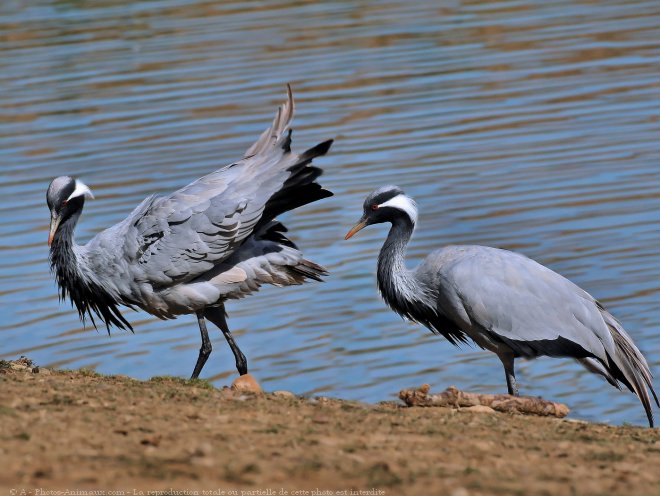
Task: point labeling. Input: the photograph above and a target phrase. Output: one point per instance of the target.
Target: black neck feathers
(89, 298)
(395, 282)
(402, 289)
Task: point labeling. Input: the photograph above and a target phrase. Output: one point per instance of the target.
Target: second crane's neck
(395, 282)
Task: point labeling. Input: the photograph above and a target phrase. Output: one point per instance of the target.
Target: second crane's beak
(362, 223)
(54, 224)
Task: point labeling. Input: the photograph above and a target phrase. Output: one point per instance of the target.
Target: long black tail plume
(301, 187)
(628, 365)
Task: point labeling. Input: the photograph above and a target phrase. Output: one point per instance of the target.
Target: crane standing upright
(503, 301)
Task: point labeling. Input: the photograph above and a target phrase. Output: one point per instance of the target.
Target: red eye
(65, 202)
(374, 207)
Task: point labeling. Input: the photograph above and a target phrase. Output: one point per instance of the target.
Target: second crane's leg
(511, 384)
(206, 348)
(217, 316)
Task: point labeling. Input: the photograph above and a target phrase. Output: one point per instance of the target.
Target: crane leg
(206, 348)
(507, 360)
(217, 316)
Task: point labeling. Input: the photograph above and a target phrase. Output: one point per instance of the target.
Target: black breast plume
(89, 298)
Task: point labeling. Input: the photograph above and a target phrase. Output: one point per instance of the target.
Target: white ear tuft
(81, 189)
(404, 203)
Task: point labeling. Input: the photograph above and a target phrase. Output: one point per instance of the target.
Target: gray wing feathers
(277, 129)
(519, 300)
(258, 262)
(536, 311)
(187, 233)
(597, 367)
(631, 363)
(187, 243)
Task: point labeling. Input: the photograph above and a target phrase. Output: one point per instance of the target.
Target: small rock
(574, 421)
(226, 393)
(43, 473)
(24, 362)
(151, 440)
(284, 394)
(461, 491)
(150, 450)
(478, 409)
(203, 449)
(201, 455)
(203, 461)
(246, 384)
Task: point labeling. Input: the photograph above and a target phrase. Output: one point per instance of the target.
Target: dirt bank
(78, 430)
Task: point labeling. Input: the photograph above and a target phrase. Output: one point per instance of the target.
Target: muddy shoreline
(79, 431)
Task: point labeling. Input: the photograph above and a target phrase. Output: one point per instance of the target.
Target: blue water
(525, 125)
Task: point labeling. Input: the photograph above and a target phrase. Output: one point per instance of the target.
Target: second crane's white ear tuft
(403, 203)
(81, 189)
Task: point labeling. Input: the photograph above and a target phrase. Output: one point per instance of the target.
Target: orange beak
(54, 224)
(357, 227)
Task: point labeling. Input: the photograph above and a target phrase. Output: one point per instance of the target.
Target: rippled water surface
(526, 125)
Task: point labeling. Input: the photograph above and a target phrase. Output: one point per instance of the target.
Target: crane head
(386, 204)
(65, 198)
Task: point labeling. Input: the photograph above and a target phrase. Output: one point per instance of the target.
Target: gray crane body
(185, 281)
(212, 240)
(502, 301)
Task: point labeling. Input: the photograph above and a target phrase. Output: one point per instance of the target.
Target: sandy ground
(93, 435)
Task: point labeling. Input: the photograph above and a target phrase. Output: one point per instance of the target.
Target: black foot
(217, 316)
(205, 350)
